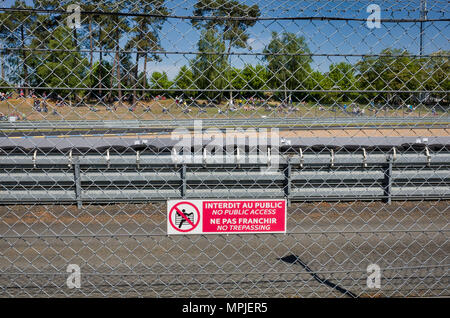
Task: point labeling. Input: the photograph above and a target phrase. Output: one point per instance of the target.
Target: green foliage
(288, 60)
(251, 78)
(159, 82)
(233, 31)
(394, 69)
(99, 73)
(209, 70)
(185, 81)
(342, 77)
(437, 69)
(61, 66)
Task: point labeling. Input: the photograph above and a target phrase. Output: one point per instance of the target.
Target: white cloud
(170, 69)
(257, 44)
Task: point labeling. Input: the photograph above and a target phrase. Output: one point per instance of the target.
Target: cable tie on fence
(107, 158)
(427, 153)
(364, 158)
(301, 157)
(70, 159)
(332, 158)
(34, 158)
(138, 159)
(204, 157)
(175, 156)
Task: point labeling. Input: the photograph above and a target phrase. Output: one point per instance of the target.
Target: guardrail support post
(387, 184)
(77, 179)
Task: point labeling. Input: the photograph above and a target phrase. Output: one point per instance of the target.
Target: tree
(288, 62)
(100, 34)
(117, 27)
(159, 82)
(437, 68)
(210, 64)
(317, 81)
(254, 78)
(99, 72)
(18, 24)
(185, 81)
(7, 41)
(342, 77)
(392, 70)
(146, 37)
(232, 31)
(61, 66)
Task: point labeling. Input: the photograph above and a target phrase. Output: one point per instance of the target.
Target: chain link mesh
(92, 91)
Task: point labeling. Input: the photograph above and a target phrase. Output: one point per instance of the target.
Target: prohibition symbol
(184, 217)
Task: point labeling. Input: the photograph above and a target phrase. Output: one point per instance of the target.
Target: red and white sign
(226, 216)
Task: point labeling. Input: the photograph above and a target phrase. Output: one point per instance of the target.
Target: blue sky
(323, 37)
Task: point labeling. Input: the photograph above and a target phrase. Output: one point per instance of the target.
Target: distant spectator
(37, 105)
(59, 101)
(410, 108)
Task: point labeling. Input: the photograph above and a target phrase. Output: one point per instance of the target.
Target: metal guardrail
(150, 177)
(228, 122)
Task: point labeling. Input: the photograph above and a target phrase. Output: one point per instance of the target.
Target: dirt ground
(168, 109)
(124, 250)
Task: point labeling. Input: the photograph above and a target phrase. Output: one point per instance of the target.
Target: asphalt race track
(335, 137)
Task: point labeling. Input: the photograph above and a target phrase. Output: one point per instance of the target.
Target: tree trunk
(91, 60)
(2, 64)
(111, 80)
(24, 60)
(229, 79)
(75, 39)
(144, 77)
(119, 79)
(100, 69)
(285, 89)
(91, 45)
(136, 80)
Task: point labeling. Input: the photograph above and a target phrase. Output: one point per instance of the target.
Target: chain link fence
(338, 107)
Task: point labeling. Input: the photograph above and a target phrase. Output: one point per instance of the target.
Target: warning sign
(226, 216)
(184, 217)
